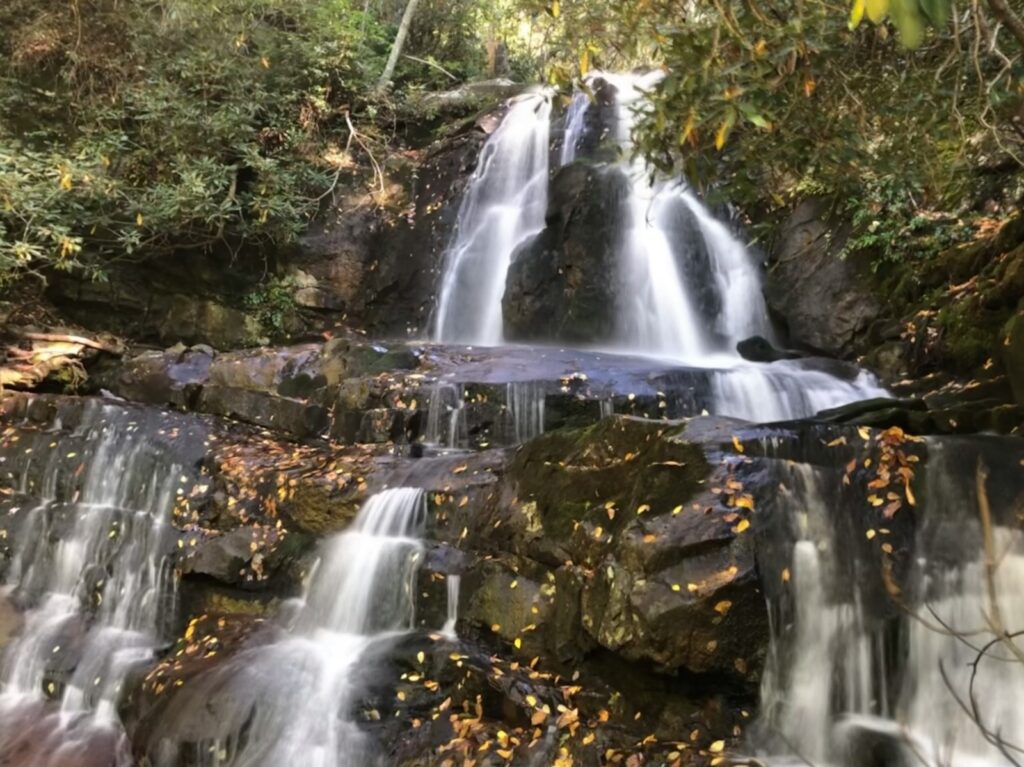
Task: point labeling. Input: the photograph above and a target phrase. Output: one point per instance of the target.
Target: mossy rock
(606, 474)
(1012, 347)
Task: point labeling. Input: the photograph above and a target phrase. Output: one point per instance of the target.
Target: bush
(132, 130)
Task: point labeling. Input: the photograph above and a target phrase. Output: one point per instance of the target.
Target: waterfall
(832, 690)
(91, 566)
(526, 406)
(289, 703)
(687, 289)
(575, 122)
(504, 203)
(452, 584)
(446, 416)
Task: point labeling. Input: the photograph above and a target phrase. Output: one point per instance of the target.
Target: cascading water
(525, 402)
(838, 690)
(575, 122)
(446, 416)
(504, 204)
(688, 291)
(289, 703)
(92, 568)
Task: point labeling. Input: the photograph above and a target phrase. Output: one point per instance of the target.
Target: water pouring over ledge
(850, 681)
(504, 204)
(686, 293)
(289, 702)
(92, 567)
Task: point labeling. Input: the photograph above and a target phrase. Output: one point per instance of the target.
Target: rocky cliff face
(615, 579)
(825, 302)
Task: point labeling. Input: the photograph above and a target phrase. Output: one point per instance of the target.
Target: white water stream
(503, 205)
(833, 692)
(91, 566)
(289, 703)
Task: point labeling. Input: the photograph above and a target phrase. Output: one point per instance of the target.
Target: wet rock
(172, 377)
(559, 285)
(826, 302)
(760, 349)
(294, 417)
(614, 543)
(10, 621)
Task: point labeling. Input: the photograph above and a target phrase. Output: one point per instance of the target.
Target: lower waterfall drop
(92, 568)
(838, 690)
(289, 702)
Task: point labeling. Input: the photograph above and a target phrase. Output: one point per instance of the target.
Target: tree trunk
(396, 47)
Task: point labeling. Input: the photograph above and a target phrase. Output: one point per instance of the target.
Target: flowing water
(504, 204)
(91, 568)
(688, 289)
(525, 401)
(575, 123)
(290, 702)
(847, 684)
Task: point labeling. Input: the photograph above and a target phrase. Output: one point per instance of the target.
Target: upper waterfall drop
(624, 260)
(504, 203)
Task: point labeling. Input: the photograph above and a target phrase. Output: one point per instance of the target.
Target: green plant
(272, 303)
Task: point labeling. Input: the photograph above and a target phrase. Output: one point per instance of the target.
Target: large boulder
(826, 301)
(560, 285)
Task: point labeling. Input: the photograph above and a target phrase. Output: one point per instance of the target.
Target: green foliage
(764, 101)
(272, 303)
(887, 223)
(130, 130)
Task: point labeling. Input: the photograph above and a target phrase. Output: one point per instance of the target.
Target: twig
(433, 64)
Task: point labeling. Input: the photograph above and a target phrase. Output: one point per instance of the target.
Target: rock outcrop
(825, 301)
(561, 284)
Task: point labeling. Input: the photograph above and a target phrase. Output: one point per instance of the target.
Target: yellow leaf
(910, 495)
(717, 747)
(722, 134)
(723, 607)
(737, 444)
(687, 133)
(585, 61)
(265, 62)
(742, 525)
(65, 181)
(643, 507)
(877, 9)
(857, 13)
(556, 9)
(785, 575)
(745, 502)
(139, 219)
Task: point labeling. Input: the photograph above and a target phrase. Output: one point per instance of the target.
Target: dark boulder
(760, 349)
(826, 301)
(560, 285)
